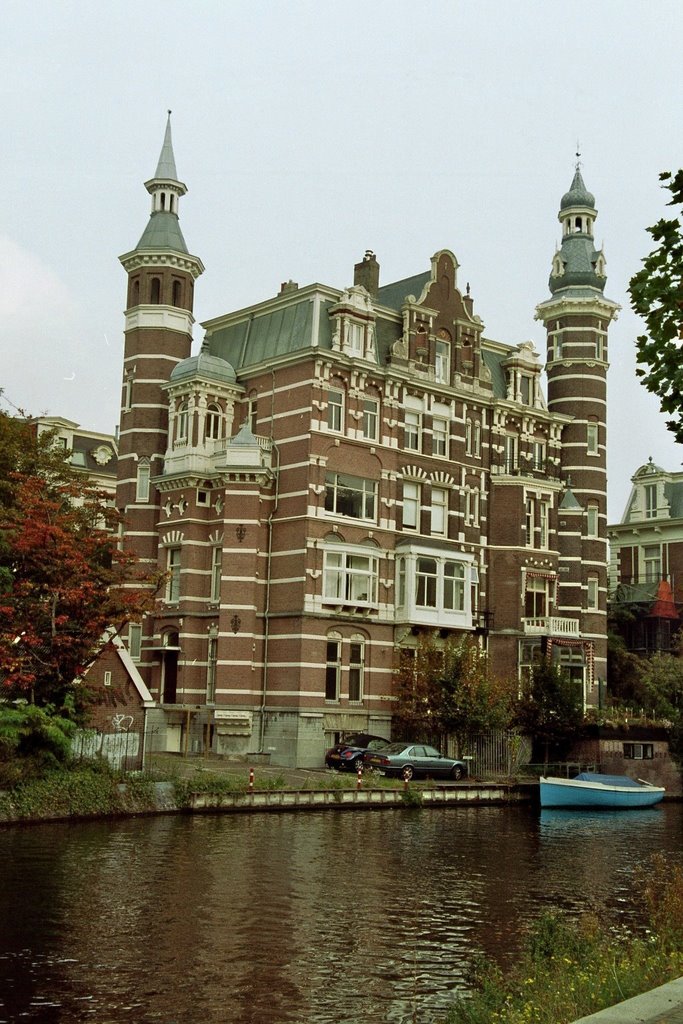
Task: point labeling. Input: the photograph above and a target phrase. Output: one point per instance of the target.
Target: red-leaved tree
(63, 581)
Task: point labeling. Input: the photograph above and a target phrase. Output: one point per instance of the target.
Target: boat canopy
(610, 780)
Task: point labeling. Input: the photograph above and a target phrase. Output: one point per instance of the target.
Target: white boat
(592, 790)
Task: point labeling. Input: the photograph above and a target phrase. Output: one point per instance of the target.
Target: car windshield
(377, 744)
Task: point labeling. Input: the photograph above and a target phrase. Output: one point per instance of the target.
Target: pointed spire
(578, 194)
(166, 166)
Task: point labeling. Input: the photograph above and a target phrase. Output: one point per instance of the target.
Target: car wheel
(456, 772)
(408, 772)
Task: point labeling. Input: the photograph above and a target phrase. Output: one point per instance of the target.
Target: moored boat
(590, 789)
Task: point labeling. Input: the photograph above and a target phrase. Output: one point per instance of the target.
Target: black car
(348, 754)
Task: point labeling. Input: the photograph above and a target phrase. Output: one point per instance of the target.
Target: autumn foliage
(62, 579)
(445, 688)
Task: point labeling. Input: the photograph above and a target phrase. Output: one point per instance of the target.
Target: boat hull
(625, 794)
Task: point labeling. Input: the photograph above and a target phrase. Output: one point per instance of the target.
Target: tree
(550, 709)
(473, 700)
(446, 689)
(62, 579)
(657, 295)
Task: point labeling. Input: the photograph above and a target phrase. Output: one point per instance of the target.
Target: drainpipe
(266, 615)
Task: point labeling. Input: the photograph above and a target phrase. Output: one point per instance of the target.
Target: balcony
(550, 626)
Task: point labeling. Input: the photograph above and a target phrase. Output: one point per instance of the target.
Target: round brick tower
(577, 318)
(158, 335)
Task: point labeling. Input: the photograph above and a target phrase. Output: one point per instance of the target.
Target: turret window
(143, 480)
(155, 291)
(592, 438)
(213, 423)
(183, 422)
(177, 293)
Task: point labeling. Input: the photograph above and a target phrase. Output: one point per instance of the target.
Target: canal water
(309, 918)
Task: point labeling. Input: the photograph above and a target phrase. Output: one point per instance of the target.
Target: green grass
(572, 968)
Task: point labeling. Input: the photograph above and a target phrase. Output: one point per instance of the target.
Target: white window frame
(539, 456)
(333, 648)
(173, 568)
(142, 483)
(339, 486)
(212, 423)
(511, 452)
(355, 338)
(652, 563)
(537, 518)
(370, 419)
(211, 668)
(411, 505)
(650, 500)
(216, 572)
(592, 594)
(412, 431)
(438, 518)
(183, 423)
(592, 521)
(433, 587)
(538, 594)
(350, 576)
(356, 668)
(440, 432)
(472, 508)
(135, 640)
(335, 410)
(592, 438)
(442, 361)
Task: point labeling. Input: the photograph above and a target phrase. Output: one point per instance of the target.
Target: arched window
(163, 200)
(213, 423)
(177, 293)
(135, 293)
(183, 422)
(155, 291)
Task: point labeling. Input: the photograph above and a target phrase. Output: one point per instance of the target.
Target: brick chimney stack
(366, 273)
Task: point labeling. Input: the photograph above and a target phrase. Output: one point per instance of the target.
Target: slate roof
(394, 295)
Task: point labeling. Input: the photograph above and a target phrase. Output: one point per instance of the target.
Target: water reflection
(327, 918)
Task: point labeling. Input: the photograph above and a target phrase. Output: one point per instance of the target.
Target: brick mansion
(341, 469)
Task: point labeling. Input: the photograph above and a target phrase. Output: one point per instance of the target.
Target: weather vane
(578, 155)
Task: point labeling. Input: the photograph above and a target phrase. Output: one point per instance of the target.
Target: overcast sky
(309, 131)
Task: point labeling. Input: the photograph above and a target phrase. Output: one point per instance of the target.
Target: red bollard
(359, 775)
(251, 780)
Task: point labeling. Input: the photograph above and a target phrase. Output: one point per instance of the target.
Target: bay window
(349, 578)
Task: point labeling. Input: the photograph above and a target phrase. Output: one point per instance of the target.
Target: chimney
(288, 286)
(367, 273)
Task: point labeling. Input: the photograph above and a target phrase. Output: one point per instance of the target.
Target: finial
(169, 112)
(578, 155)
(468, 287)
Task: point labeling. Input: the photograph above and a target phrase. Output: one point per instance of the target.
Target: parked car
(347, 754)
(409, 759)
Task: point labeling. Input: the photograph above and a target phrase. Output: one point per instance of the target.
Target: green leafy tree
(550, 710)
(657, 296)
(473, 700)
(62, 579)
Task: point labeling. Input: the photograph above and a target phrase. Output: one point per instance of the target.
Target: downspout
(269, 557)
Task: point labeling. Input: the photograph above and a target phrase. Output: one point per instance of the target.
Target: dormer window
(355, 337)
(650, 501)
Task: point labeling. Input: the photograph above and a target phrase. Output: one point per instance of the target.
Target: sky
(308, 131)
